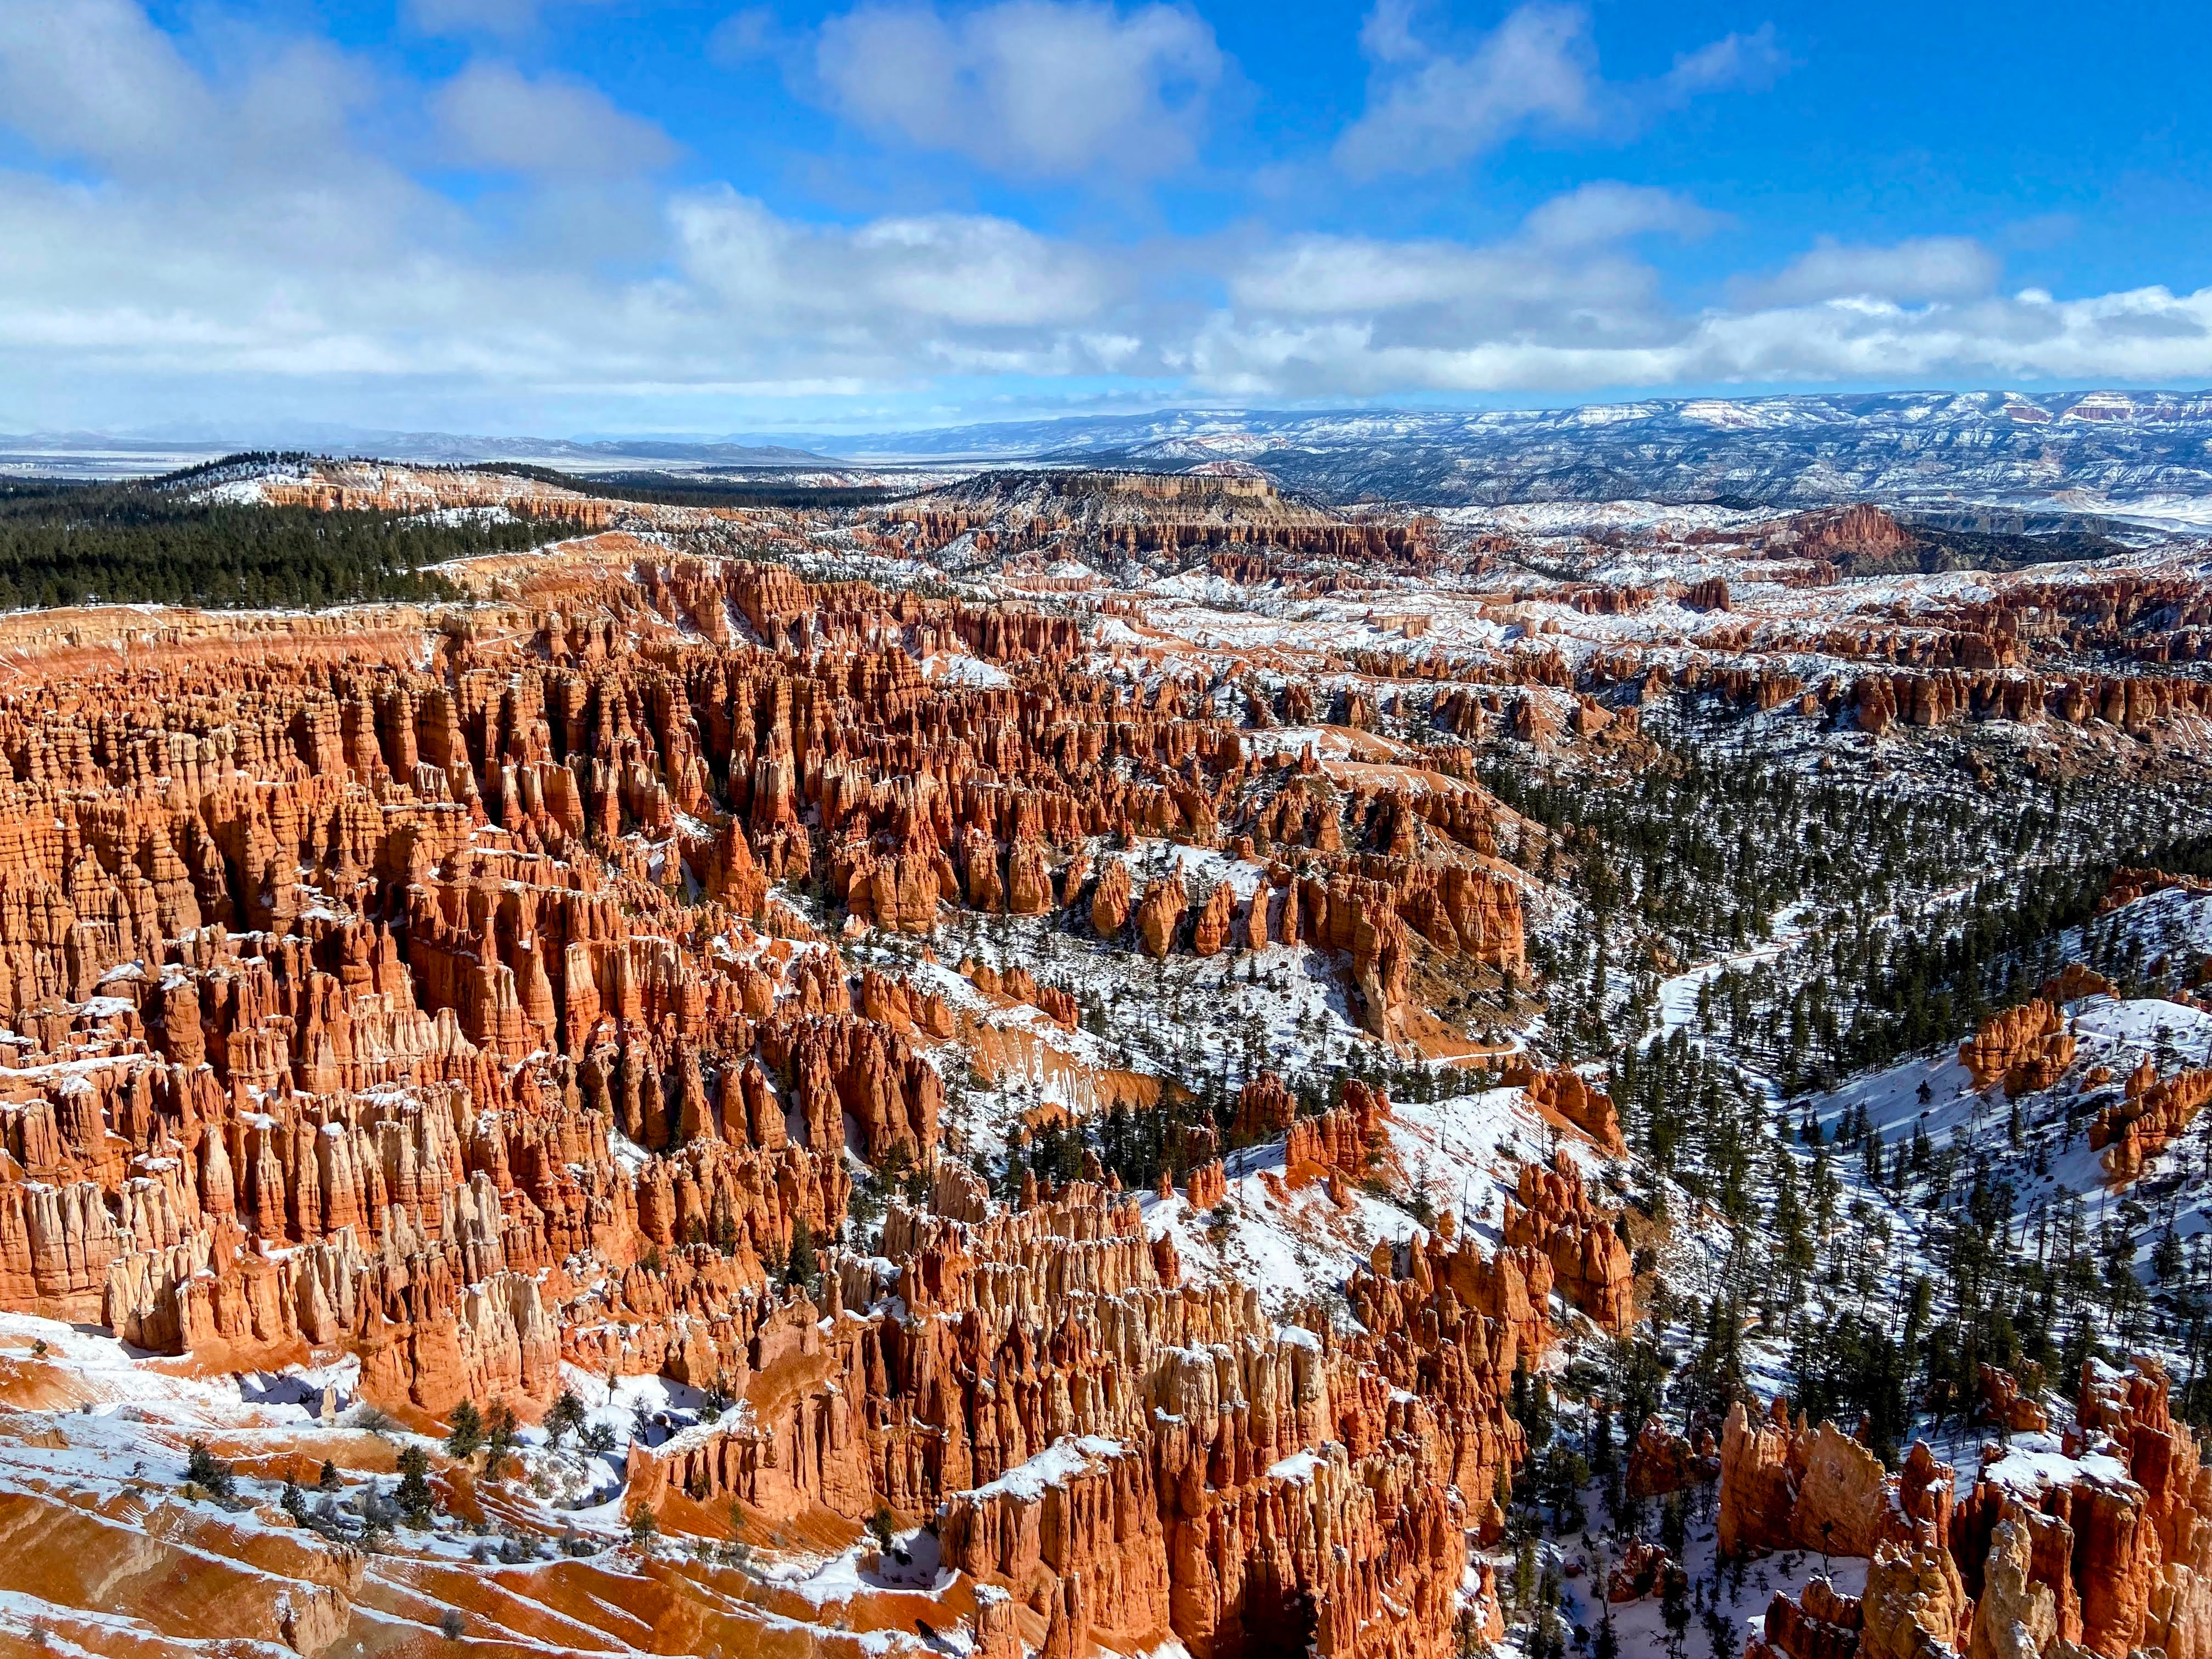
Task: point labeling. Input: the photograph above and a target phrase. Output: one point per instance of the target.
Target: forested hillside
(148, 543)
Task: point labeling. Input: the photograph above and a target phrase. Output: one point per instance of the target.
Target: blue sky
(679, 215)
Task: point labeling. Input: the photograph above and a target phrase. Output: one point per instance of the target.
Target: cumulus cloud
(1427, 109)
(1746, 60)
(1923, 268)
(1319, 314)
(1537, 71)
(493, 116)
(506, 18)
(1604, 211)
(743, 36)
(1561, 265)
(95, 81)
(1033, 88)
(965, 270)
(1543, 312)
(221, 241)
(307, 266)
(1565, 305)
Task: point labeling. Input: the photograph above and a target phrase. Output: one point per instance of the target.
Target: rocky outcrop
(2046, 1555)
(1563, 1090)
(2127, 886)
(1159, 917)
(1207, 1184)
(1551, 1212)
(2000, 1402)
(1265, 1108)
(1784, 1484)
(2153, 1112)
(1109, 903)
(2027, 1047)
(1645, 1569)
(2014, 1617)
(1344, 1145)
(1210, 933)
(1660, 1461)
(1915, 1605)
(1823, 1623)
(463, 995)
(1082, 1511)
(2075, 980)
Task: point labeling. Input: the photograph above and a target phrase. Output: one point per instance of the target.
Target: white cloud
(1604, 211)
(95, 79)
(493, 116)
(1923, 268)
(1033, 88)
(507, 18)
(1537, 71)
(1441, 290)
(1533, 313)
(742, 36)
(1734, 60)
(1561, 266)
(1427, 109)
(1562, 305)
(288, 260)
(965, 271)
(224, 242)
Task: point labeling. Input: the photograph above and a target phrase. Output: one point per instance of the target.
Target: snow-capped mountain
(2138, 454)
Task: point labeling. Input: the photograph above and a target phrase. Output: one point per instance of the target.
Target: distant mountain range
(1991, 460)
(157, 450)
(2145, 456)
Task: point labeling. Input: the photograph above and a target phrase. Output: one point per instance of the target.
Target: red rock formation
(2028, 1047)
(1660, 1462)
(1110, 904)
(423, 993)
(2154, 1112)
(1160, 915)
(1915, 1603)
(2031, 1559)
(2002, 1402)
(1346, 1143)
(1863, 531)
(2074, 982)
(1710, 593)
(1786, 1485)
(2127, 886)
(1265, 1108)
(1590, 1264)
(1643, 1570)
(1822, 1623)
(1212, 930)
(1208, 1183)
(1563, 1090)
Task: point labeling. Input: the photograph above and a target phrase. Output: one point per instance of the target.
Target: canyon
(1013, 1070)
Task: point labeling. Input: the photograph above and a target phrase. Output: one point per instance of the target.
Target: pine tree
(417, 1503)
(500, 1428)
(801, 1268)
(564, 1416)
(1602, 1459)
(209, 1473)
(465, 1429)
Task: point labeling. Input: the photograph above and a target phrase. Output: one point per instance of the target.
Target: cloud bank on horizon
(622, 214)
